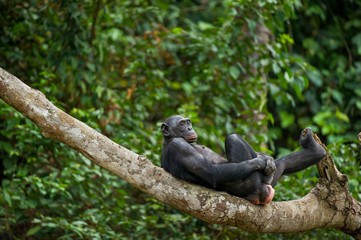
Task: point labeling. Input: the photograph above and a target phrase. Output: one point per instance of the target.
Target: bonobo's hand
(270, 166)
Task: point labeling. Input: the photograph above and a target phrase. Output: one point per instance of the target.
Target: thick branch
(333, 189)
(303, 214)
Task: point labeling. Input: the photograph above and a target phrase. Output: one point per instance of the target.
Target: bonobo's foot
(308, 142)
(269, 194)
(306, 138)
(262, 196)
(270, 164)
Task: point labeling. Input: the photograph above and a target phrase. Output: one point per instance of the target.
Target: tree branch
(329, 204)
(332, 189)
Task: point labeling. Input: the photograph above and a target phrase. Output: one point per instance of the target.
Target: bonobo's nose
(189, 128)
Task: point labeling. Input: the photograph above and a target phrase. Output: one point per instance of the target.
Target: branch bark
(328, 205)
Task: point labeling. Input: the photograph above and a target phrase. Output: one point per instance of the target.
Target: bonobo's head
(179, 127)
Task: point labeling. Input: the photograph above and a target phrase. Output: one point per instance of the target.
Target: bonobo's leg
(256, 188)
(310, 154)
(238, 150)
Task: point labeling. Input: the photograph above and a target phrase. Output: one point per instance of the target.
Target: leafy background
(263, 69)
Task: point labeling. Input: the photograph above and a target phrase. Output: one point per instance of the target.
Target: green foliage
(123, 66)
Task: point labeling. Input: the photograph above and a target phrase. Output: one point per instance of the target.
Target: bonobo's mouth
(191, 138)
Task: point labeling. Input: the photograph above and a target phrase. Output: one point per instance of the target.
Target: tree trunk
(328, 205)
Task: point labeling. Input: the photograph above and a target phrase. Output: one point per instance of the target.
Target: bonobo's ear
(165, 130)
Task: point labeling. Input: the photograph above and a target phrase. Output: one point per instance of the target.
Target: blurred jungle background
(265, 69)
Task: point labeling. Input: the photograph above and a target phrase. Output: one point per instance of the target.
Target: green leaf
(177, 30)
(286, 119)
(342, 116)
(286, 39)
(205, 26)
(33, 230)
(51, 225)
(315, 77)
(358, 104)
(234, 71)
(357, 41)
(357, 92)
(187, 87)
(7, 197)
(337, 96)
(321, 117)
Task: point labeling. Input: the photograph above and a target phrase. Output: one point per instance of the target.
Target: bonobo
(244, 173)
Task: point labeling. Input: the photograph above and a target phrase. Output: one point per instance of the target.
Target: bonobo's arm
(188, 164)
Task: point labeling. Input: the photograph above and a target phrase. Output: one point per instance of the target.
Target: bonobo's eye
(181, 123)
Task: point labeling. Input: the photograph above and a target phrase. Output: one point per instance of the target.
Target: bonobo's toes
(308, 142)
(306, 138)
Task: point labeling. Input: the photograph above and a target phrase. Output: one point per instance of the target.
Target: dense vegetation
(123, 66)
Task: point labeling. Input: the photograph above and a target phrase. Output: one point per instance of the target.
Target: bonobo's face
(178, 126)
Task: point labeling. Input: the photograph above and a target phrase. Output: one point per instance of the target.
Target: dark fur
(244, 173)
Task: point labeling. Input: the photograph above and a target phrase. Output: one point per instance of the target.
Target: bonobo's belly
(209, 154)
